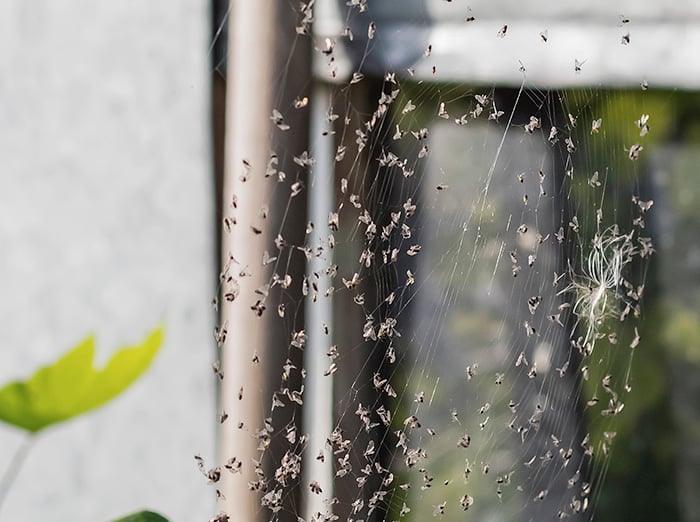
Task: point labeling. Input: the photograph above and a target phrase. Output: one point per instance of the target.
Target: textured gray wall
(106, 224)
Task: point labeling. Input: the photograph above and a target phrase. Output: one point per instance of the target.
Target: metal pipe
(317, 417)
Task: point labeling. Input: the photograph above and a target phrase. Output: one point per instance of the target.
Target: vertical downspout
(317, 419)
(252, 34)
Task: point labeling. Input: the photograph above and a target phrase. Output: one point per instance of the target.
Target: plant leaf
(72, 385)
(143, 516)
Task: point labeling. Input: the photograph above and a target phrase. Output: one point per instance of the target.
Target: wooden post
(252, 33)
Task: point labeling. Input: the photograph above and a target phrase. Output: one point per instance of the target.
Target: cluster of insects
(417, 433)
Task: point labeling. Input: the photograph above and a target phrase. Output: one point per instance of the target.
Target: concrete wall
(660, 39)
(106, 219)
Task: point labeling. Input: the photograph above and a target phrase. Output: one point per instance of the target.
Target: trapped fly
(634, 151)
(300, 103)
(278, 120)
(482, 99)
(643, 125)
(495, 114)
(371, 30)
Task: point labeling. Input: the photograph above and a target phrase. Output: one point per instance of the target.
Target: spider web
(481, 268)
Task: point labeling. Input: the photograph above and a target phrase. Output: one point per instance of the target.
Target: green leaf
(143, 516)
(72, 385)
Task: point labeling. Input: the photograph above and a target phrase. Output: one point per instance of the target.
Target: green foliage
(681, 332)
(143, 516)
(72, 385)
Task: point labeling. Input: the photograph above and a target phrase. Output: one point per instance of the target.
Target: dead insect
(635, 341)
(301, 102)
(278, 119)
(533, 302)
(296, 188)
(534, 124)
(357, 77)
(466, 502)
(304, 159)
(560, 235)
(439, 509)
(574, 225)
(470, 371)
(482, 99)
(495, 114)
(410, 279)
(529, 329)
(644, 206)
(411, 422)
(643, 125)
(413, 250)
(555, 318)
(634, 151)
(220, 334)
